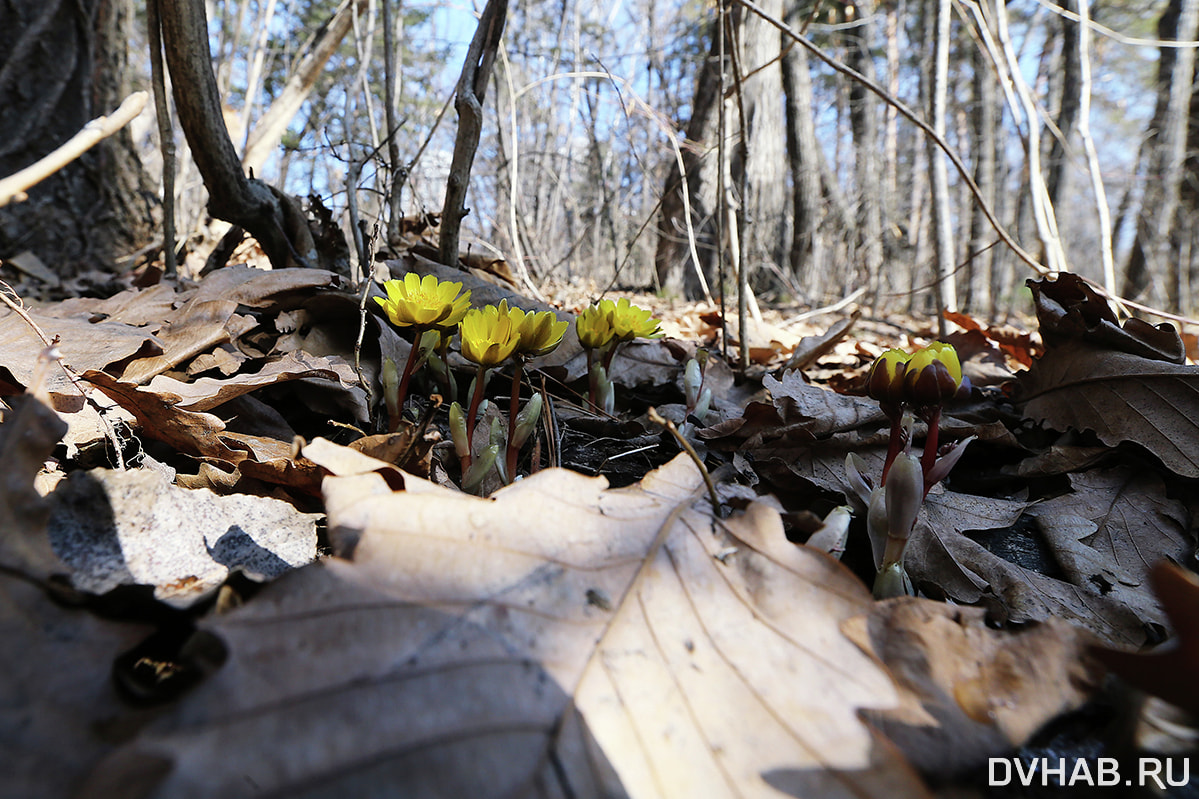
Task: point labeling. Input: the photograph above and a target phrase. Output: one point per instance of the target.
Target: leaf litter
(561, 637)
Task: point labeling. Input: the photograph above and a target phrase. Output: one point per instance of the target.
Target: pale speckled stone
(136, 528)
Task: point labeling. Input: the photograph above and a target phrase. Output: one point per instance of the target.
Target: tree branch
(472, 88)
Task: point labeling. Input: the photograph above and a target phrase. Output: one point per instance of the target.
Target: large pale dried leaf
(28, 435)
(557, 622)
(57, 704)
(971, 692)
(135, 528)
(1121, 397)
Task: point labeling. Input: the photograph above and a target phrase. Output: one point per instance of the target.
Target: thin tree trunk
(802, 147)
(863, 118)
(1071, 99)
(942, 220)
(984, 120)
(1151, 248)
(276, 220)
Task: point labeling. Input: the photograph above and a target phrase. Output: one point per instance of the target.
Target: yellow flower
(933, 374)
(540, 333)
(490, 335)
(885, 381)
(594, 325)
(630, 322)
(424, 303)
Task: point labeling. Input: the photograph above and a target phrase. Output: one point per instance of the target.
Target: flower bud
(693, 378)
(885, 382)
(933, 375)
(526, 420)
(458, 430)
(479, 468)
(893, 581)
(905, 494)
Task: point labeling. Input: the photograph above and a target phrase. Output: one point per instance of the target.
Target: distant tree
(62, 64)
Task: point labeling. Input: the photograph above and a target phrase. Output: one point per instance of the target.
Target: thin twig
(657, 418)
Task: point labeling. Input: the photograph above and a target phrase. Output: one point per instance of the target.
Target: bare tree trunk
(802, 149)
(942, 220)
(765, 203)
(672, 260)
(62, 64)
(1070, 73)
(863, 117)
(1176, 71)
(276, 220)
(472, 89)
(984, 120)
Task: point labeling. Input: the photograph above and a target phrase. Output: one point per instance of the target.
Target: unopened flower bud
(458, 430)
(693, 378)
(885, 382)
(526, 420)
(479, 468)
(933, 375)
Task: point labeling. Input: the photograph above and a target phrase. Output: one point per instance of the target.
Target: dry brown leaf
(195, 328)
(558, 622)
(28, 434)
(1168, 671)
(207, 393)
(57, 705)
(1113, 527)
(941, 555)
(199, 434)
(84, 345)
(1121, 397)
(1068, 309)
(971, 692)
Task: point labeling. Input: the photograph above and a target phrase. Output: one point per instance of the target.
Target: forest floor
(220, 574)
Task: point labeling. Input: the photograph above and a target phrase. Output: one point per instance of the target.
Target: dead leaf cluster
(561, 637)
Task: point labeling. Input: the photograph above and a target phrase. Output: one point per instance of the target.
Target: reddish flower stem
(402, 391)
(929, 458)
(895, 414)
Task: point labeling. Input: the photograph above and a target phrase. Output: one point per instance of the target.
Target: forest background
(1069, 127)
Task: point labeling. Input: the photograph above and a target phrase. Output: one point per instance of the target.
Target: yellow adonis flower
(630, 322)
(490, 335)
(594, 325)
(540, 333)
(424, 302)
(933, 374)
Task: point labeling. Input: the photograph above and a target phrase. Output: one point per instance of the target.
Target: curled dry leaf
(1070, 309)
(970, 692)
(591, 641)
(1121, 397)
